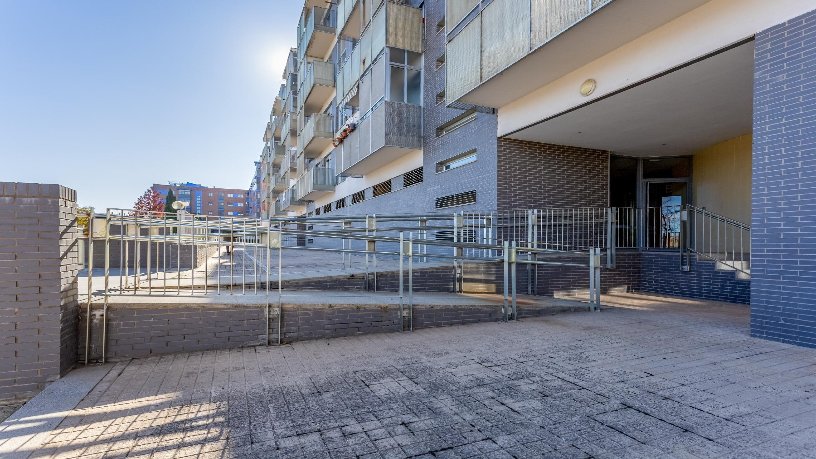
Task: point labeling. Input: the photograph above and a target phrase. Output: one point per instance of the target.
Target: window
(440, 97)
(457, 161)
(412, 178)
(459, 199)
(405, 76)
(455, 123)
(440, 26)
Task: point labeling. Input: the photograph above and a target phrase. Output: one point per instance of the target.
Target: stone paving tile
(674, 380)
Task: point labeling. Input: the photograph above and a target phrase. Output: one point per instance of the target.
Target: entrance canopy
(688, 109)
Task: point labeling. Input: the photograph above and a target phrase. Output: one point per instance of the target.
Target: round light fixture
(588, 87)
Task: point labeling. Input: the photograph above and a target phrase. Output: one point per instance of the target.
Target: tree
(168, 202)
(83, 219)
(149, 203)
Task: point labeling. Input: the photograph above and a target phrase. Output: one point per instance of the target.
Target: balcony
(289, 202)
(277, 183)
(278, 209)
(404, 31)
(277, 126)
(317, 134)
(278, 152)
(392, 130)
(317, 34)
(277, 106)
(316, 182)
(510, 48)
(288, 165)
(318, 85)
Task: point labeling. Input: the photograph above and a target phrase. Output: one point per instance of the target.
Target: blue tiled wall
(783, 286)
(660, 273)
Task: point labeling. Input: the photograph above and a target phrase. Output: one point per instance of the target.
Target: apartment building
(204, 200)
(691, 121)
(360, 124)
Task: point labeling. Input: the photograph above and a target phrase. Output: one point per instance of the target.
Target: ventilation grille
(412, 178)
(340, 203)
(382, 188)
(459, 199)
(327, 208)
(317, 211)
(358, 197)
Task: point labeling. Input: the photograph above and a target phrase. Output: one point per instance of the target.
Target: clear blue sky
(109, 97)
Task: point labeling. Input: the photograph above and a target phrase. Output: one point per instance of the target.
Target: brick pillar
(783, 223)
(38, 285)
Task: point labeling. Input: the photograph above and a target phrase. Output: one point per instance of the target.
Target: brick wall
(660, 273)
(142, 330)
(38, 285)
(783, 272)
(533, 175)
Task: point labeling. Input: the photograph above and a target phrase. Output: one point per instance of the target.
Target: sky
(109, 97)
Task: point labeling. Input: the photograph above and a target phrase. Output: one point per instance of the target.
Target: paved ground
(660, 378)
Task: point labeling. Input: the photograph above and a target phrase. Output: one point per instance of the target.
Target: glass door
(665, 201)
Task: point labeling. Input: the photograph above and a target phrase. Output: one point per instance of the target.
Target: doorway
(650, 194)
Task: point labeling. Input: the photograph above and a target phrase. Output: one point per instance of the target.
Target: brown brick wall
(533, 175)
(38, 285)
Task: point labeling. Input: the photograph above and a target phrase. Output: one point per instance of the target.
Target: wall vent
(459, 199)
(412, 178)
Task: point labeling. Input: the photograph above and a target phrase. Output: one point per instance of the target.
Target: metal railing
(153, 253)
(725, 241)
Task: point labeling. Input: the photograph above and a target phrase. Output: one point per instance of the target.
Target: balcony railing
(278, 152)
(278, 183)
(502, 33)
(315, 182)
(289, 164)
(318, 32)
(289, 200)
(390, 130)
(318, 85)
(317, 134)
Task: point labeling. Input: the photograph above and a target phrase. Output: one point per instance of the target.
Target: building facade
(692, 122)
(204, 200)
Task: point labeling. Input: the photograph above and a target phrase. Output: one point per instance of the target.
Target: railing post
(506, 257)
(513, 279)
(612, 237)
(410, 253)
(532, 242)
(595, 279)
(107, 281)
(90, 285)
(685, 265)
(401, 281)
(371, 248)
(458, 223)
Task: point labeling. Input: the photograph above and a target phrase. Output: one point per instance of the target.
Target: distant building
(204, 200)
(254, 195)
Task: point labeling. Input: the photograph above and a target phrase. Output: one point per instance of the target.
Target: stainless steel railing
(720, 239)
